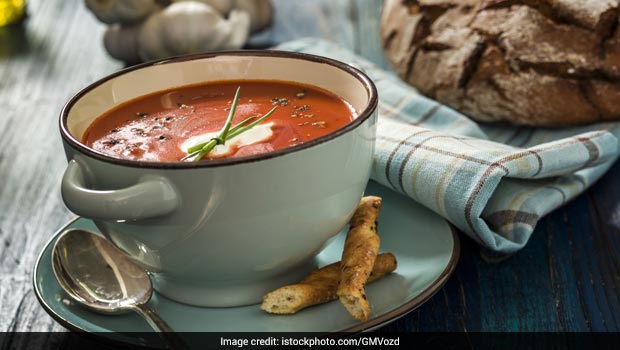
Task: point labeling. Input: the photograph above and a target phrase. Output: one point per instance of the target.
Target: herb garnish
(197, 152)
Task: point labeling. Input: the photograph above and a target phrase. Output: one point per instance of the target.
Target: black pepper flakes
(141, 114)
(280, 101)
(137, 131)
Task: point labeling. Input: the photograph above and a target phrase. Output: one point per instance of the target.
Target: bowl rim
(365, 114)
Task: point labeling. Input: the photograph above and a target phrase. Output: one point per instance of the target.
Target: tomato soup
(159, 126)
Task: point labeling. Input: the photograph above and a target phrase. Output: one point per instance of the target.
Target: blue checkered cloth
(494, 182)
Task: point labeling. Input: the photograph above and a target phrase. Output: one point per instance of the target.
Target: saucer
(425, 245)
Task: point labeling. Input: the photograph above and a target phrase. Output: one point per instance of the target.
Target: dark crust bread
(530, 62)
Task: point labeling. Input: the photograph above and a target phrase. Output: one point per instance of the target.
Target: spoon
(99, 276)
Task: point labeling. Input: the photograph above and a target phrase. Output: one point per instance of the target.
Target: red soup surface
(155, 127)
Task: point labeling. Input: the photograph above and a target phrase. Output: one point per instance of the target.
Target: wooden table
(566, 279)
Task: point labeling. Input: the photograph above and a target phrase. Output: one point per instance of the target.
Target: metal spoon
(99, 276)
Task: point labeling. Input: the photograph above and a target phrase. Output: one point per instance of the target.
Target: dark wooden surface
(566, 279)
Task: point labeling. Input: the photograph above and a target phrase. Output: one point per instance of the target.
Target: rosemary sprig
(197, 152)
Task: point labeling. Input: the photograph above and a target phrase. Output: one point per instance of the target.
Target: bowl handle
(152, 196)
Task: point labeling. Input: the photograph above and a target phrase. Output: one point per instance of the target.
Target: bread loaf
(530, 62)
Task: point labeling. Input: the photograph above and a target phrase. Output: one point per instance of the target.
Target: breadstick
(319, 287)
(358, 258)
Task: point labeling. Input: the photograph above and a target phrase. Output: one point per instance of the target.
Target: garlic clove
(222, 6)
(238, 29)
(121, 42)
(260, 11)
(121, 11)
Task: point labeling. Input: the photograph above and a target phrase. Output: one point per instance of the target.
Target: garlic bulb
(121, 42)
(121, 11)
(260, 11)
(189, 27)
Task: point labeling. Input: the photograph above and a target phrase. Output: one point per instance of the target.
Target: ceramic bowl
(222, 232)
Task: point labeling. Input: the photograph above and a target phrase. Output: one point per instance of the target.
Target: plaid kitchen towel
(494, 182)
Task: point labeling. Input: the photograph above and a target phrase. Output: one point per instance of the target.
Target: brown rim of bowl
(356, 73)
(386, 318)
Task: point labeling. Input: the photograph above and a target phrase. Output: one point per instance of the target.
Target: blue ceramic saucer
(424, 244)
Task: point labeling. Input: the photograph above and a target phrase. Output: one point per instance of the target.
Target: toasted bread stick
(319, 287)
(358, 257)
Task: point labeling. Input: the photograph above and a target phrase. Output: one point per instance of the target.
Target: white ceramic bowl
(223, 232)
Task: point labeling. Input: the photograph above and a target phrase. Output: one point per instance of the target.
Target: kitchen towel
(492, 181)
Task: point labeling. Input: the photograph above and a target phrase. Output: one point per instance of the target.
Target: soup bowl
(222, 232)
